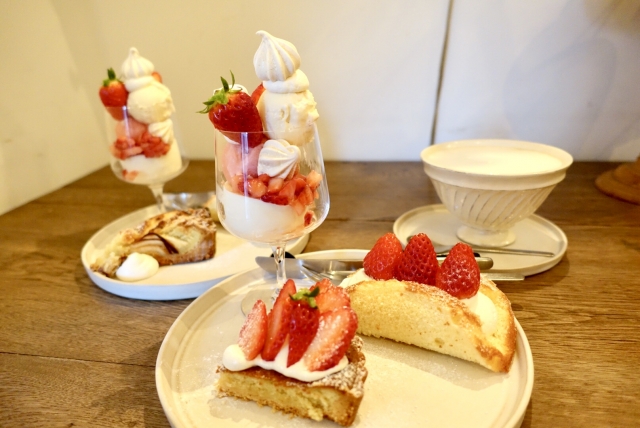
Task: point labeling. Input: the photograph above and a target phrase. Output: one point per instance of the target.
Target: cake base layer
(336, 397)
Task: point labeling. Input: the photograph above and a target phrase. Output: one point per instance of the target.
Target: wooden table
(72, 355)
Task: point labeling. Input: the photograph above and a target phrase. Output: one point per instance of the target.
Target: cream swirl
(278, 158)
(136, 66)
(162, 130)
(275, 59)
(298, 82)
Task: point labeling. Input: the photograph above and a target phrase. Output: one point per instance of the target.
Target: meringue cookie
(136, 66)
(278, 158)
(275, 59)
(162, 130)
(298, 82)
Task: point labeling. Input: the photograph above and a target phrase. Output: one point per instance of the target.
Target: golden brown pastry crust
(171, 238)
(430, 318)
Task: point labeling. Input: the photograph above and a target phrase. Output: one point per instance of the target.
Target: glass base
(485, 238)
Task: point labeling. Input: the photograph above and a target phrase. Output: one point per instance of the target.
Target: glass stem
(281, 274)
(157, 190)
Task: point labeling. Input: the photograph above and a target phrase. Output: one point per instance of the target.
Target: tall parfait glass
(270, 191)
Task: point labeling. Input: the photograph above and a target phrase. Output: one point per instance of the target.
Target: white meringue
(278, 158)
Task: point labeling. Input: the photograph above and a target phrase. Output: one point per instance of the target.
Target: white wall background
(561, 72)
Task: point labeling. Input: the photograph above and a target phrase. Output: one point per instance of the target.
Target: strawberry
(157, 76)
(459, 274)
(336, 329)
(232, 111)
(331, 298)
(380, 262)
(113, 93)
(254, 331)
(418, 262)
(257, 92)
(305, 318)
(278, 322)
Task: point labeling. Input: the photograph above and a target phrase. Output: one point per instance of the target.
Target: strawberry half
(332, 297)
(232, 111)
(459, 274)
(113, 95)
(418, 262)
(254, 331)
(257, 92)
(278, 322)
(305, 318)
(336, 329)
(380, 262)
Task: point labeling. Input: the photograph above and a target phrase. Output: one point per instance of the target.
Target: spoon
(442, 249)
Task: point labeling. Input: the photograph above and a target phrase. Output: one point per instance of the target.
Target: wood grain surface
(73, 355)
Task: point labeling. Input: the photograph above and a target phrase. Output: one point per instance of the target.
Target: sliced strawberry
(308, 218)
(380, 262)
(275, 199)
(232, 111)
(254, 331)
(153, 147)
(112, 92)
(459, 274)
(418, 263)
(256, 188)
(288, 191)
(257, 92)
(279, 320)
(314, 179)
(157, 76)
(305, 319)
(335, 332)
(275, 185)
(324, 284)
(333, 297)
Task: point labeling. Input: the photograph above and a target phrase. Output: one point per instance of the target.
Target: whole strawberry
(232, 111)
(459, 274)
(380, 262)
(418, 262)
(113, 95)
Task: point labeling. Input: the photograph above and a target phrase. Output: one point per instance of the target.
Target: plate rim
(156, 292)
(526, 271)
(514, 421)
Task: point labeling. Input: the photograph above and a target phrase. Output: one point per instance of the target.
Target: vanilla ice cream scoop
(275, 59)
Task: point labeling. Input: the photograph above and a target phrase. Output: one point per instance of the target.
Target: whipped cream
(162, 130)
(278, 158)
(233, 359)
(275, 59)
(286, 106)
(255, 220)
(136, 66)
(153, 170)
(481, 305)
(136, 267)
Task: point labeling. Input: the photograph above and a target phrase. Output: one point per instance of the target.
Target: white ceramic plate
(184, 281)
(406, 386)
(532, 233)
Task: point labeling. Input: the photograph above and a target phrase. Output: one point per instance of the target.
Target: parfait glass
(270, 190)
(146, 154)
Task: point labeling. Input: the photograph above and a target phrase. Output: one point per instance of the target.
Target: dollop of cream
(233, 359)
(278, 158)
(480, 305)
(137, 267)
(162, 130)
(275, 59)
(298, 82)
(136, 66)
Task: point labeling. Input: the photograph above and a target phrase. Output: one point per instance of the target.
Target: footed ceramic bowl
(490, 185)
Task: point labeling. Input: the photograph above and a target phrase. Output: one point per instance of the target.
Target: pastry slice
(481, 329)
(171, 238)
(404, 295)
(303, 358)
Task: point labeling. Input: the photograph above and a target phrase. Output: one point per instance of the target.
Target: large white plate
(184, 281)
(407, 386)
(532, 233)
